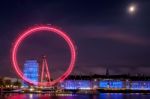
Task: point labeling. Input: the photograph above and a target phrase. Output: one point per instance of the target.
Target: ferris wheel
(35, 30)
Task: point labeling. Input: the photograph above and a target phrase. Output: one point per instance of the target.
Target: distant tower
(31, 70)
(45, 75)
(107, 72)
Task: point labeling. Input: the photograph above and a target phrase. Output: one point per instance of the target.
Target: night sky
(106, 34)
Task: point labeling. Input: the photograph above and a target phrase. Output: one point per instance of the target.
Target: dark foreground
(76, 96)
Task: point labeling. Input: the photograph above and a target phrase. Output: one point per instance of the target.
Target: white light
(31, 89)
(31, 96)
(131, 9)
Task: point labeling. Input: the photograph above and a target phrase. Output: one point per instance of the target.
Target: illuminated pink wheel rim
(34, 30)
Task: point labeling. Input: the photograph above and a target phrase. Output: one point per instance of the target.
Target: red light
(34, 30)
(45, 66)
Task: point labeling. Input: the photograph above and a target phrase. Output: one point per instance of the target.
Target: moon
(132, 9)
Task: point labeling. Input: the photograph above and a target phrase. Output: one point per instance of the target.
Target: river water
(76, 96)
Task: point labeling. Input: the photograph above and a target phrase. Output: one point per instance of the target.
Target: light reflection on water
(76, 96)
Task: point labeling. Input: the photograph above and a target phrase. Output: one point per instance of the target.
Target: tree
(8, 83)
(17, 83)
(2, 82)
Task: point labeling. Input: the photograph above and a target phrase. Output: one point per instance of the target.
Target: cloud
(124, 38)
(112, 33)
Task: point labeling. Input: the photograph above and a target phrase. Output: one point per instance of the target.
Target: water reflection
(111, 96)
(75, 96)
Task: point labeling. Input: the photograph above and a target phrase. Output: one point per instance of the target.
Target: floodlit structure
(35, 30)
(114, 84)
(31, 71)
(76, 84)
(45, 75)
(102, 82)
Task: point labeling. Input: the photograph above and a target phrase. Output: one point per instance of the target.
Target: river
(76, 96)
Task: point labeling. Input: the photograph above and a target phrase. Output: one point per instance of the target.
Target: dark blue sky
(105, 33)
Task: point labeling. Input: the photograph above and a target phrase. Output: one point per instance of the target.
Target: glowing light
(131, 8)
(116, 84)
(104, 84)
(31, 70)
(45, 65)
(140, 85)
(34, 30)
(31, 89)
(76, 84)
(111, 84)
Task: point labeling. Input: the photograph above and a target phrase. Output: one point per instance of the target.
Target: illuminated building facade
(76, 84)
(140, 85)
(114, 84)
(31, 71)
(105, 83)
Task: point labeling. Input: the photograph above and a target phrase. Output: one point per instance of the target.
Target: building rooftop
(120, 77)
